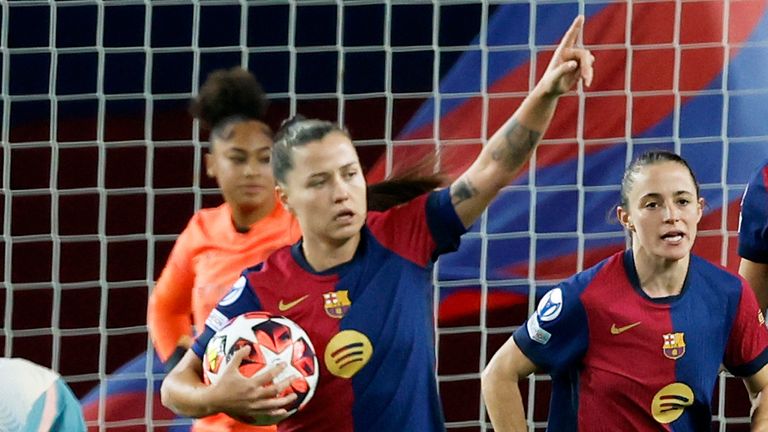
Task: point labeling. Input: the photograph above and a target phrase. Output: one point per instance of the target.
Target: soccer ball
(273, 339)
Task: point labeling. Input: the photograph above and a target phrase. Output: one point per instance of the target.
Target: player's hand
(251, 397)
(569, 63)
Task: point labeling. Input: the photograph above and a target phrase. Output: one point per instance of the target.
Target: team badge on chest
(674, 345)
(336, 303)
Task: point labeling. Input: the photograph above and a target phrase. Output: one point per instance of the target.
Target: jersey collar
(634, 279)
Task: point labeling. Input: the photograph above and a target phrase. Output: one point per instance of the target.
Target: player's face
(239, 162)
(326, 190)
(664, 211)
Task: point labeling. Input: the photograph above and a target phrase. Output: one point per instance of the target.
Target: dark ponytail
(405, 185)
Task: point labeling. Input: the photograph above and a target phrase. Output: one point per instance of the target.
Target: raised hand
(569, 63)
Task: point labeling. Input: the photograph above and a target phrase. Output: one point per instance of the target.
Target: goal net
(102, 165)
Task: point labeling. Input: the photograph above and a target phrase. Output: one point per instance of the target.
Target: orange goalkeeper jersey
(206, 260)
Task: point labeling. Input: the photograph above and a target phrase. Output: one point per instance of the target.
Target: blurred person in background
(219, 242)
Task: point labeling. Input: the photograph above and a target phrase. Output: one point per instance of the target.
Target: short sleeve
(444, 224)
(556, 336)
(421, 229)
(239, 300)
(747, 348)
(753, 222)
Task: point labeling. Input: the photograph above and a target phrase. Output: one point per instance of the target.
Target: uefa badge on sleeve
(550, 305)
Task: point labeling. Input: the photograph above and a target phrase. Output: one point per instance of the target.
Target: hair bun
(229, 93)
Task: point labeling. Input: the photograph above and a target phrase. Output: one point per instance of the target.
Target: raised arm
(501, 391)
(511, 146)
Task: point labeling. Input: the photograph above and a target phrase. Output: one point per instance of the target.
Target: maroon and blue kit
(621, 360)
(753, 225)
(370, 319)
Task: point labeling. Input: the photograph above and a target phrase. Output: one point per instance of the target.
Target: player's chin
(347, 228)
(676, 252)
(252, 200)
(343, 233)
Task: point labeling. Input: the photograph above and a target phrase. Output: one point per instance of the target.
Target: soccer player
(636, 342)
(35, 398)
(753, 235)
(219, 242)
(359, 282)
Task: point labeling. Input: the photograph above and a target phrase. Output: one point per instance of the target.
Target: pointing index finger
(572, 35)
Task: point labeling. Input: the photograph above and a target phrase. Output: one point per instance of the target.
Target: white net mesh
(101, 164)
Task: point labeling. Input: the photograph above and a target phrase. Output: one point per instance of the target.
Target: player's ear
(702, 203)
(284, 198)
(624, 218)
(210, 165)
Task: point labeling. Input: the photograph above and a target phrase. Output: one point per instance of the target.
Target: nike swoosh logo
(619, 330)
(282, 307)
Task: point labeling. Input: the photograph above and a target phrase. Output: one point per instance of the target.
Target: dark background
(81, 142)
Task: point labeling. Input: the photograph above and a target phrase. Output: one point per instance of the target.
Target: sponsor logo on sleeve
(551, 305)
(216, 320)
(234, 292)
(535, 332)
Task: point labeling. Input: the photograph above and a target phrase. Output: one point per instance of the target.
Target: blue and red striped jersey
(621, 360)
(753, 223)
(370, 320)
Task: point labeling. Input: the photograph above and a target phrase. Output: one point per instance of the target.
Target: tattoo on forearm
(461, 191)
(518, 143)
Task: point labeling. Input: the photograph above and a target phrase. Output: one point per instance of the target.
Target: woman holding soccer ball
(358, 282)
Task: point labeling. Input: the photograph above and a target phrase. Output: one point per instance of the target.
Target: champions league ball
(273, 339)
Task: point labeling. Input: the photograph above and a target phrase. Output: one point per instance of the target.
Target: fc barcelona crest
(674, 345)
(336, 303)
